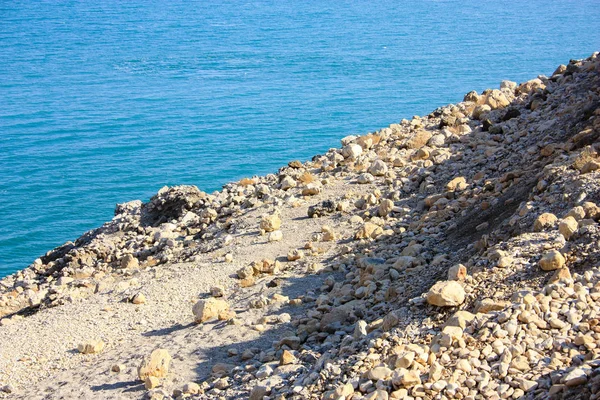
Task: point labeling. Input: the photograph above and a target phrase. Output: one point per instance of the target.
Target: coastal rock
(270, 223)
(129, 262)
(205, 310)
(446, 294)
(91, 347)
(157, 365)
(552, 260)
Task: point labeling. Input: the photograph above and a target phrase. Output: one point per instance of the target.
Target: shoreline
(367, 269)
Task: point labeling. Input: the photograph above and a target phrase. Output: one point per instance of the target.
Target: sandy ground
(38, 355)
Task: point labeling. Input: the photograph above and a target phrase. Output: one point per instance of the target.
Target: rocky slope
(453, 255)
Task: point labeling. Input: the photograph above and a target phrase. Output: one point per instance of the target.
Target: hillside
(453, 255)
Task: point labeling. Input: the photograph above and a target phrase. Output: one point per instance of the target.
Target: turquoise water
(105, 102)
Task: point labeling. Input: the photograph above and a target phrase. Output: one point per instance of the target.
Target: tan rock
(368, 231)
(245, 272)
(386, 206)
(206, 309)
(157, 365)
(295, 254)
(487, 305)
(328, 233)
(287, 357)
(270, 223)
(457, 272)
(544, 221)
(275, 236)
(461, 319)
(459, 183)
(191, 388)
(130, 262)
(496, 99)
(91, 347)
(139, 299)
(446, 294)
(378, 168)
(552, 260)
(312, 189)
(151, 382)
(379, 373)
(419, 140)
(341, 392)
(562, 275)
(568, 227)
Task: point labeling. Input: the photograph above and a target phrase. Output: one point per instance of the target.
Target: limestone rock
(544, 221)
(91, 347)
(207, 309)
(270, 223)
(275, 236)
(130, 262)
(457, 272)
(568, 227)
(552, 260)
(157, 365)
(419, 140)
(151, 382)
(352, 151)
(378, 168)
(446, 294)
(369, 231)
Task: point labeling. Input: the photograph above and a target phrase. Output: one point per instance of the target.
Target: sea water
(107, 101)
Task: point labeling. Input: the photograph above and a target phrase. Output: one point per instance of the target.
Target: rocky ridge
(453, 255)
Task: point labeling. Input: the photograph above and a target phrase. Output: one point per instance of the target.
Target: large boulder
(206, 309)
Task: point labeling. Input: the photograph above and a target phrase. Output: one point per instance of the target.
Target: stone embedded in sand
(328, 233)
(130, 262)
(446, 294)
(365, 178)
(457, 272)
(157, 365)
(419, 140)
(217, 291)
(266, 266)
(118, 368)
(275, 236)
(378, 168)
(270, 223)
(544, 221)
(245, 272)
(368, 231)
(151, 382)
(139, 298)
(552, 260)
(91, 347)
(228, 257)
(295, 254)
(312, 189)
(206, 309)
(568, 227)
